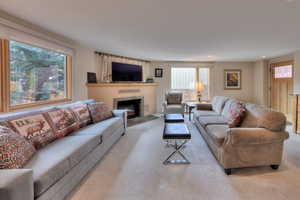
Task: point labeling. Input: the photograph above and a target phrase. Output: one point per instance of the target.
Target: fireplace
(133, 105)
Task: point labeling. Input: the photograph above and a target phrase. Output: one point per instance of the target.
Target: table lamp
(200, 89)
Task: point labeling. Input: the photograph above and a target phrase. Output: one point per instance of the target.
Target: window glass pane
(284, 71)
(183, 78)
(36, 74)
(204, 79)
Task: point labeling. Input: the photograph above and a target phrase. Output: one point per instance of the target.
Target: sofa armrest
(164, 106)
(16, 184)
(122, 114)
(251, 136)
(204, 106)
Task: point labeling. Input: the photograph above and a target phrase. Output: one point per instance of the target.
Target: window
(183, 78)
(284, 71)
(33, 76)
(204, 78)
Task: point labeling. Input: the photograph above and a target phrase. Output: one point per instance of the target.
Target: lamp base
(199, 96)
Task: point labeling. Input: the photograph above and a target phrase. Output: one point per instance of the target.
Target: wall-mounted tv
(126, 72)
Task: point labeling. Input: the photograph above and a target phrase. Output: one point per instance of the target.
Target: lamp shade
(200, 86)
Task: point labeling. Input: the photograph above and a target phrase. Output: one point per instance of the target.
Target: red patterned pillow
(15, 150)
(236, 114)
(35, 128)
(82, 113)
(5, 123)
(99, 111)
(63, 121)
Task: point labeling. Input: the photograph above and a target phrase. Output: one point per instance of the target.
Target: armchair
(173, 103)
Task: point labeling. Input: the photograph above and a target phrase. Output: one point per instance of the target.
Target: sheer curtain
(104, 66)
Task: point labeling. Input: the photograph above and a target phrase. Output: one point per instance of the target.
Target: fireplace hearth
(133, 105)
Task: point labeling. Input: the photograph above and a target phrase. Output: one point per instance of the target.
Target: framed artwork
(91, 77)
(158, 73)
(232, 79)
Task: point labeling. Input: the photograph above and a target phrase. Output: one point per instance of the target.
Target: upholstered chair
(173, 103)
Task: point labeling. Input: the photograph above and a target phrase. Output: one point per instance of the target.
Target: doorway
(282, 99)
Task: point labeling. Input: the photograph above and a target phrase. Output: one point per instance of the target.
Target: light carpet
(133, 170)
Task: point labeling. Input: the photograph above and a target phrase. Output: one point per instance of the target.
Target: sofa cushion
(236, 115)
(34, 127)
(102, 129)
(218, 103)
(200, 113)
(174, 108)
(82, 113)
(15, 150)
(227, 106)
(262, 117)
(174, 97)
(218, 133)
(99, 111)
(208, 120)
(51, 163)
(272, 120)
(63, 121)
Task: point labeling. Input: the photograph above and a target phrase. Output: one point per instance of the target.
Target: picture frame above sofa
(232, 79)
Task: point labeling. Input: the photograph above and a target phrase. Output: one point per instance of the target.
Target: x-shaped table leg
(177, 151)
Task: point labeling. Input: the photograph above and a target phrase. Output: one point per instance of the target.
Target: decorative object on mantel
(200, 88)
(158, 73)
(149, 80)
(232, 79)
(107, 78)
(91, 77)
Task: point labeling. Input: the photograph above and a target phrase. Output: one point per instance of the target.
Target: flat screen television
(126, 72)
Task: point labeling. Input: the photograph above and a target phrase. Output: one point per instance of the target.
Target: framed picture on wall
(158, 73)
(233, 79)
(91, 77)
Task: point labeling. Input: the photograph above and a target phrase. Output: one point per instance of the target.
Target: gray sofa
(257, 142)
(59, 167)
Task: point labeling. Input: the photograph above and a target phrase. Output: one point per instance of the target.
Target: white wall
(297, 72)
(216, 79)
(84, 62)
(260, 93)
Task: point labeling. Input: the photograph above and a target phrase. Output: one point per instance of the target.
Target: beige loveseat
(257, 142)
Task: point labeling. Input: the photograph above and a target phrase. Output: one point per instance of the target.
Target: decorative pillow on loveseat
(236, 114)
(35, 128)
(63, 121)
(99, 111)
(82, 113)
(15, 150)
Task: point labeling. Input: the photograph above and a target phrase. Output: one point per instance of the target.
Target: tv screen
(126, 72)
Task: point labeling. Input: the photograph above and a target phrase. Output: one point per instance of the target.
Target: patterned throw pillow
(63, 121)
(99, 111)
(236, 115)
(35, 128)
(82, 113)
(5, 123)
(15, 150)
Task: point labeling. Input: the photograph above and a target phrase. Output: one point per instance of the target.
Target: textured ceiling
(173, 30)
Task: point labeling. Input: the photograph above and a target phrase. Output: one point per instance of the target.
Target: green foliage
(36, 74)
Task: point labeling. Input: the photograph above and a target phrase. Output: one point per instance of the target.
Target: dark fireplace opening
(133, 107)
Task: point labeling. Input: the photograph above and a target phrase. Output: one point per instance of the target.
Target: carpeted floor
(133, 170)
(139, 120)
